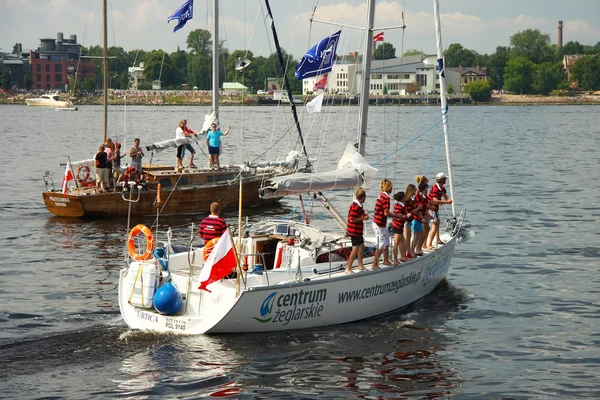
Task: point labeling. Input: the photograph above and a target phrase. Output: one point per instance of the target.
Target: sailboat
(297, 277)
(190, 190)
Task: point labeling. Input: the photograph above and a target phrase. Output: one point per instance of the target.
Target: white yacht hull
(286, 302)
(47, 103)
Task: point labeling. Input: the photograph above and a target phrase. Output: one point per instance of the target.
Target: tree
(88, 84)
(200, 41)
(412, 52)
(384, 51)
(450, 89)
(497, 63)
(549, 76)
(533, 44)
(457, 55)
(413, 87)
(27, 81)
(5, 78)
(519, 73)
(180, 60)
(248, 74)
(572, 48)
(586, 71)
(479, 90)
(159, 65)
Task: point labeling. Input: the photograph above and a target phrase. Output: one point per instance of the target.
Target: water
(518, 318)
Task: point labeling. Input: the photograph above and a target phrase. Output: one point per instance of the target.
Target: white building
(136, 76)
(393, 76)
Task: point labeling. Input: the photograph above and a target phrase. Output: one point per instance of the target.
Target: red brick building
(56, 61)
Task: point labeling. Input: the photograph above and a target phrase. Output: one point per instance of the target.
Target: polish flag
(378, 37)
(220, 262)
(68, 176)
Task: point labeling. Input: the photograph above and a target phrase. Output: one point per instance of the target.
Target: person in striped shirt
(356, 216)
(212, 226)
(437, 196)
(382, 211)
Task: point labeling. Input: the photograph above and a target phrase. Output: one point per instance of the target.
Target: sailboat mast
(366, 79)
(105, 70)
(287, 82)
(444, 101)
(215, 63)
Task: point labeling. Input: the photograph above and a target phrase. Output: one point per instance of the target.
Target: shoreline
(152, 99)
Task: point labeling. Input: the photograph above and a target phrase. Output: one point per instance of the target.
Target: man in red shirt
(212, 226)
(382, 211)
(434, 199)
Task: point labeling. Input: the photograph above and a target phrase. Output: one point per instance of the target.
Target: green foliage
(412, 52)
(548, 77)
(200, 42)
(159, 65)
(179, 58)
(518, 75)
(533, 44)
(144, 86)
(27, 81)
(5, 78)
(572, 48)
(384, 51)
(88, 84)
(586, 71)
(479, 90)
(497, 63)
(248, 74)
(457, 55)
(450, 89)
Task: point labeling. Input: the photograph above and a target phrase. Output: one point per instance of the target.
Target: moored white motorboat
(49, 100)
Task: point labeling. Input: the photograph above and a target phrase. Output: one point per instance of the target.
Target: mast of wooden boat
(443, 102)
(366, 79)
(215, 63)
(105, 69)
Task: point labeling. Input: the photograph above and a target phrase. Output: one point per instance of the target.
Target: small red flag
(68, 176)
(378, 37)
(220, 262)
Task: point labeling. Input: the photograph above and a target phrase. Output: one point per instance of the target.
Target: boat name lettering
(288, 307)
(175, 324)
(59, 199)
(147, 316)
(378, 290)
(435, 266)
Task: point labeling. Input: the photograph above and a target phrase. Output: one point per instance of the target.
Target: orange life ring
(208, 247)
(86, 174)
(149, 243)
(130, 172)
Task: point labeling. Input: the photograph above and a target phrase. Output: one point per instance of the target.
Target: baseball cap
(440, 176)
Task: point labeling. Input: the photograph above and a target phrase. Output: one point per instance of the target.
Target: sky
(480, 25)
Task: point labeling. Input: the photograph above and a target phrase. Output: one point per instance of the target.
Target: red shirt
(382, 206)
(399, 209)
(437, 192)
(420, 206)
(212, 227)
(356, 210)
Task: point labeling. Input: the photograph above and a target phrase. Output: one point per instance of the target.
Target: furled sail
(353, 170)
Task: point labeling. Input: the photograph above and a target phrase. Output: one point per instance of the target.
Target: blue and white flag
(319, 59)
(183, 14)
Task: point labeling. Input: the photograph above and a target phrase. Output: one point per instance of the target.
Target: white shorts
(383, 236)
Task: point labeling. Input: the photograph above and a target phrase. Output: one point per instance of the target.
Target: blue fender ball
(167, 299)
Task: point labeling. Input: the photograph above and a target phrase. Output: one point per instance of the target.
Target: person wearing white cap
(437, 192)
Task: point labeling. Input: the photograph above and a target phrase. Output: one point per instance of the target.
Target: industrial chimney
(560, 31)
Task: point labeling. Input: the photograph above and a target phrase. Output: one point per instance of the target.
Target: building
(568, 62)
(17, 65)
(56, 61)
(468, 75)
(398, 76)
(136, 76)
(234, 87)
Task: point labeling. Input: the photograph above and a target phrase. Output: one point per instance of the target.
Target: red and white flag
(68, 176)
(220, 262)
(378, 37)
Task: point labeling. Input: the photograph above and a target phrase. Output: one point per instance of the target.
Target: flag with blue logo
(183, 15)
(320, 58)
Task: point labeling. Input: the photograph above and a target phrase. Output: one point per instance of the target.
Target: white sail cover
(353, 170)
(171, 143)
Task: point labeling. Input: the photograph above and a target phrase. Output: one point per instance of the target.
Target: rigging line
(277, 141)
(396, 163)
(435, 154)
(409, 142)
